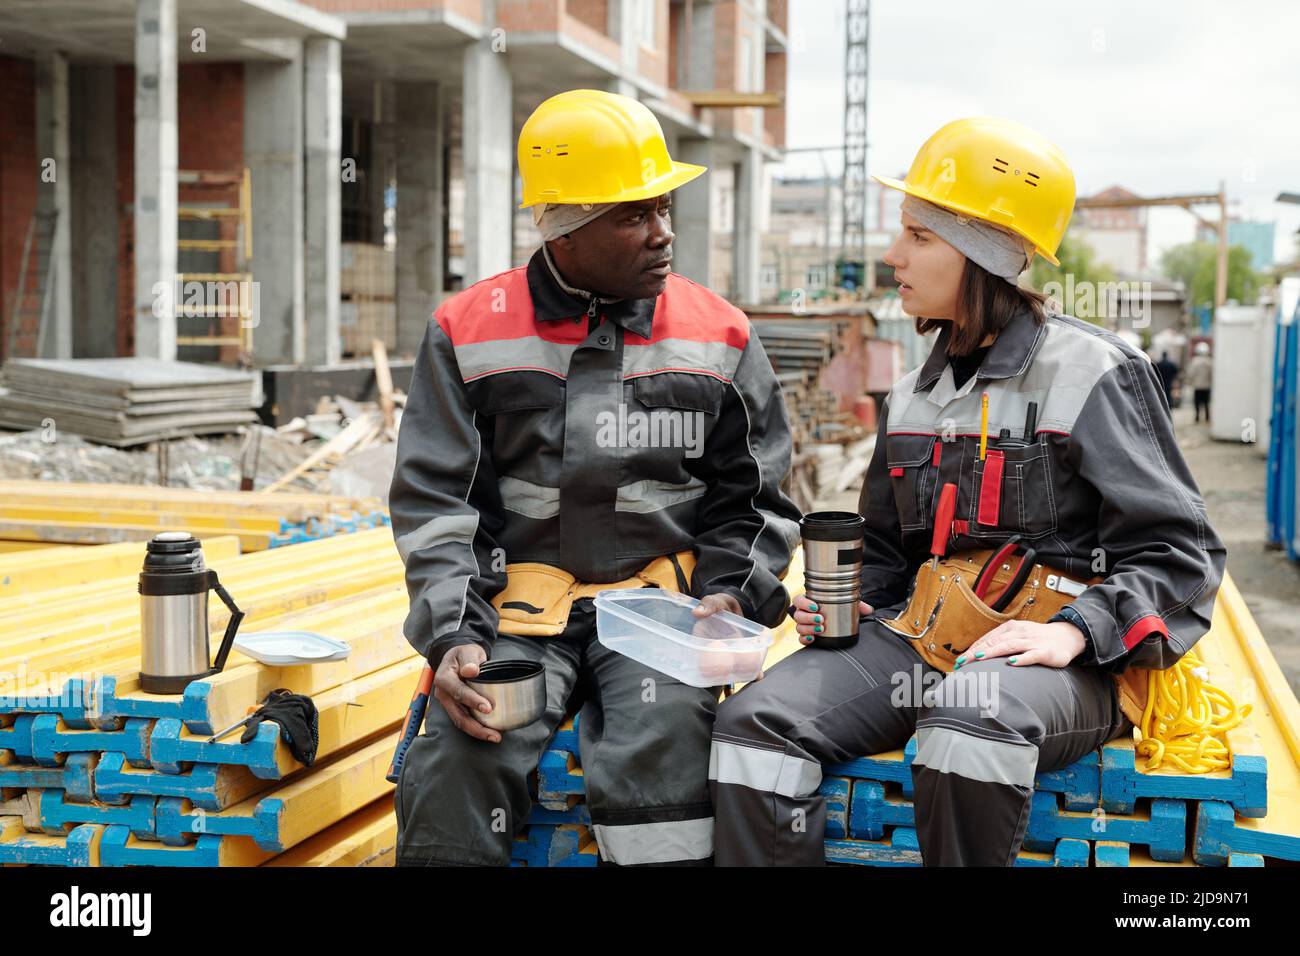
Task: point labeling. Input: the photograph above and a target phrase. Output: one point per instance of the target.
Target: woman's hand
(1027, 642)
(808, 623)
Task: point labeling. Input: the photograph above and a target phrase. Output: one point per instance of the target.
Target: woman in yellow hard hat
(1072, 555)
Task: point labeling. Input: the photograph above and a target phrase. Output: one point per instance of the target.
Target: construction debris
(126, 401)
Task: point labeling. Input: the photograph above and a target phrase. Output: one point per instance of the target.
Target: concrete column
(746, 247)
(54, 201)
(273, 152)
(693, 213)
(420, 209)
(155, 178)
(489, 158)
(323, 137)
(622, 25)
(93, 113)
(379, 169)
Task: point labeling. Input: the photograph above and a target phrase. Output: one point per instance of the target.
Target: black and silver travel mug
(832, 559)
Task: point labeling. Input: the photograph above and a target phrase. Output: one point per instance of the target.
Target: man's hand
(1027, 642)
(457, 697)
(712, 603)
(808, 623)
(717, 664)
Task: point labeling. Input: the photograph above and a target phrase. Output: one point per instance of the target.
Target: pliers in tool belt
(987, 573)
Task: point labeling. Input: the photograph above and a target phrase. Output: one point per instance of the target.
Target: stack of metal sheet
(126, 401)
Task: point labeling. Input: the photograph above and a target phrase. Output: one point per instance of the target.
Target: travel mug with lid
(832, 558)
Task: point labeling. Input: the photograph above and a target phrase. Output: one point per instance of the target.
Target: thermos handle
(236, 615)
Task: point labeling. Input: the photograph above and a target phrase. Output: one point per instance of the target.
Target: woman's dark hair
(985, 304)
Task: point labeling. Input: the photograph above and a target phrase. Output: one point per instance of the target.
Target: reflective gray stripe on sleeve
(445, 529)
(665, 842)
(769, 771)
(976, 758)
(642, 497)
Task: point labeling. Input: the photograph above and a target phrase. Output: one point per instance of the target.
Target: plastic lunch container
(657, 628)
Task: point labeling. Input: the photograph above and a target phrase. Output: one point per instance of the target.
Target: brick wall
(19, 174)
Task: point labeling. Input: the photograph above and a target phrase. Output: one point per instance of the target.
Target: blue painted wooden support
(57, 814)
(73, 703)
(566, 738)
(1218, 835)
(1107, 853)
(1078, 784)
(901, 849)
(1067, 852)
(76, 776)
(151, 706)
(1245, 859)
(890, 770)
(875, 807)
(17, 737)
(78, 848)
(558, 846)
(178, 822)
(1245, 787)
(208, 786)
(836, 790)
(1163, 831)
(576, 812)
(52, 740)
(171, 752)
(119, 849)
(558, 776)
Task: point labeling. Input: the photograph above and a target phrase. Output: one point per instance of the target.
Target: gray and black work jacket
(1100, 488)
(590, 436)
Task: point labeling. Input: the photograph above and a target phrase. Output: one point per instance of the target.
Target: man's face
(625, 254)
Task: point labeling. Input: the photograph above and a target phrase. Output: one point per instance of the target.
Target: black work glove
(298, 719)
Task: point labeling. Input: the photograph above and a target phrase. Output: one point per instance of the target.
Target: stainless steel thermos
(174, 587)
(832, 559)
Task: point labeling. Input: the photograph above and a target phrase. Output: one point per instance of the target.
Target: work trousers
(644, 744)
(982, 733)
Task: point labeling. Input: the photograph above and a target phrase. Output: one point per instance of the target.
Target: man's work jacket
(1100, 487)
(590, 437)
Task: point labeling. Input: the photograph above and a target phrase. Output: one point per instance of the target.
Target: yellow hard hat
(590, 146)
(999, 171)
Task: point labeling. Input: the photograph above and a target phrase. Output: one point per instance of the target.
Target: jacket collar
(1009, 355)
(551, 301)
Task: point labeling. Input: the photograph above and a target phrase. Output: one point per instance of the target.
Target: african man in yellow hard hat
(591, 421)
(1076, 556)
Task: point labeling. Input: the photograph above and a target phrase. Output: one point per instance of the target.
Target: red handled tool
(414, 717)
(990, 569)
(943, 516)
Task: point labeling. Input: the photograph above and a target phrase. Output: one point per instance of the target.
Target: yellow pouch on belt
(538, 597)
(944, 617)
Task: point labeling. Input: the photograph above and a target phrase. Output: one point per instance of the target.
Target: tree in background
(1194, 264)
(1077, 260)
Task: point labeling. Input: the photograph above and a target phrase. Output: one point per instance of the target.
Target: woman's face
(928, 271)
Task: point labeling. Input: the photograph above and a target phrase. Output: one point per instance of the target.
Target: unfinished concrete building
(334, 153)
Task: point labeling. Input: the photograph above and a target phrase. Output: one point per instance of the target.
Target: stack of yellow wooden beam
(89, 513)
(95, 772)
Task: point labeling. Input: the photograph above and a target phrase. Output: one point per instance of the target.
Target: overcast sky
(1159, 96)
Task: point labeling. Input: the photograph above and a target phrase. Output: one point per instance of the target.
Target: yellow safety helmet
(590, 146)
(999, 171)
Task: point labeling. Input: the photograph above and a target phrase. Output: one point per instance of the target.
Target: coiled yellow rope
(1187, 719)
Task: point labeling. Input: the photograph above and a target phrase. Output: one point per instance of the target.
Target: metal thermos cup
(832, 560)
(174, 587)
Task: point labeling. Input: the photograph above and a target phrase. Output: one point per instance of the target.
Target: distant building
(1117, 237)
(1255, 237)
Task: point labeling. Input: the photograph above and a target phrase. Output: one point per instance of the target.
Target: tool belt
(944, 615)
(538, 597)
